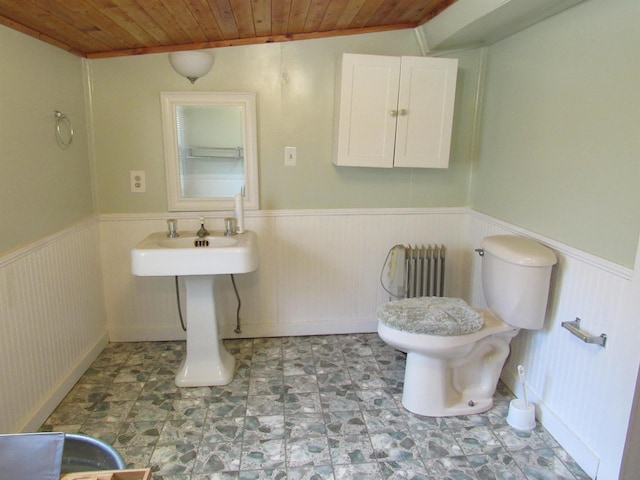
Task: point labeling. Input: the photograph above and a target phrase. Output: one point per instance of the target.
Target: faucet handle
(230, 225)
(172, 226)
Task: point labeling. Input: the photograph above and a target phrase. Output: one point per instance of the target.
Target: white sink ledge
(159, 255)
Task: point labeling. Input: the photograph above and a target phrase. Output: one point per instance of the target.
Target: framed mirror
(210, 150)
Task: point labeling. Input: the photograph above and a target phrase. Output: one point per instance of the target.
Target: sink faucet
(203, 232)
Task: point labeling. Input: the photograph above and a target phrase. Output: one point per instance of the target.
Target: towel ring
(64, 129)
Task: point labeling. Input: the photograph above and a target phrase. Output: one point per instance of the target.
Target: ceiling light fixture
(191, 64)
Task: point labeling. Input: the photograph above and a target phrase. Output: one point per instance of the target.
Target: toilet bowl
(454, 374)
(455, 353)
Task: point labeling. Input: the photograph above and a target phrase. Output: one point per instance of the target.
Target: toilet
(455, 353)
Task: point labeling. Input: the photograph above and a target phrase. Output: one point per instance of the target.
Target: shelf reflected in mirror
(210, 150)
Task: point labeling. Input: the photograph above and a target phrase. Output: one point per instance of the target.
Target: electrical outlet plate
(138, 183)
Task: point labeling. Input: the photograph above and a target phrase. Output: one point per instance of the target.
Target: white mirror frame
(170, 101)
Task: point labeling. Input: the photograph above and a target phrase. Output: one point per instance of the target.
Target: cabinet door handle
(403, 112)
(394, 113)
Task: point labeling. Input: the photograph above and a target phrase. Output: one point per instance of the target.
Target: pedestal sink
(197, 261)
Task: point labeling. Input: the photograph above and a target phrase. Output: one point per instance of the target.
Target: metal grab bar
(574, 327)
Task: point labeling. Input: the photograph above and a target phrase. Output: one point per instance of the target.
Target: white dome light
(191, 64)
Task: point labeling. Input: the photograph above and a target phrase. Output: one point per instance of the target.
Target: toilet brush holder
(522, 415)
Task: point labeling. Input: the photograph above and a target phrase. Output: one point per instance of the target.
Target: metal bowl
(82, 453)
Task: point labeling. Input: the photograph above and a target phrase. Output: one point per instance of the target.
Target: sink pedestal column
(207, 362)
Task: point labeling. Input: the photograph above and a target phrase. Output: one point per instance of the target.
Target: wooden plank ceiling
(106, 28)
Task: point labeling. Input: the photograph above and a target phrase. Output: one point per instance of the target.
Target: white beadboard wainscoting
(583, 392)
(319, 273)
(53, 322)
(319, 270)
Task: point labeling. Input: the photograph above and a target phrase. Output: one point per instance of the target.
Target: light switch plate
(290, 156)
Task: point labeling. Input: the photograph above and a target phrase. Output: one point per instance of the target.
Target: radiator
(417, 271)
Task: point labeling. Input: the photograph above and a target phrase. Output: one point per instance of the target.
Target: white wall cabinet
(394, 111)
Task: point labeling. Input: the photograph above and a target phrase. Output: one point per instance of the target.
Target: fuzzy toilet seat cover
(431, 316)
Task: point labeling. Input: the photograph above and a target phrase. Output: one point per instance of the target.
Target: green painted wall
(43, 188)
(294, 82)
(560, 129)
(558, 141)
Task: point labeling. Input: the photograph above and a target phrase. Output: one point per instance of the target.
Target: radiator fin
(424, 271)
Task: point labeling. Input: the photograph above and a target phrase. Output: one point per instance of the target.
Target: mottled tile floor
(322, 407)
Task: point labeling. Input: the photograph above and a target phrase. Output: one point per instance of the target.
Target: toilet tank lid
(519, 250)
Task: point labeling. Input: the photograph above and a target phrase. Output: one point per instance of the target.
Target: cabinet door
(365, 123)
(425, 106)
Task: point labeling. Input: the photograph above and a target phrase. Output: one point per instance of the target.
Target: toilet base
(462, 407)
(433, 395)
(451, 385)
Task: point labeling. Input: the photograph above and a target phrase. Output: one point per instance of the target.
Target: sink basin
(159, 255)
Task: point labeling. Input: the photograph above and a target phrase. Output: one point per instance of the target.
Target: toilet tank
(516, 274)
